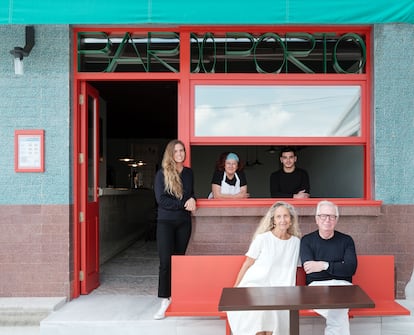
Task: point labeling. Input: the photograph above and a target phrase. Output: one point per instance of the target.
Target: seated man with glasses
(329, 258)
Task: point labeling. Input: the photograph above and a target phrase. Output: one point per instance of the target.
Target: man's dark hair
(287, 149)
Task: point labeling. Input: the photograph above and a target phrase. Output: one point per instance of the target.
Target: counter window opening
(334, 171)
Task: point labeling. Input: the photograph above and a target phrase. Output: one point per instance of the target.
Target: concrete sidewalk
(19, 330)
(130, 315)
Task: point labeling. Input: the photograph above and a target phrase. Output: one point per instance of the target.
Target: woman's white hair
(268, 221)
(326, 203)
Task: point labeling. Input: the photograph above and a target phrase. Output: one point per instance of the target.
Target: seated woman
(229, 180)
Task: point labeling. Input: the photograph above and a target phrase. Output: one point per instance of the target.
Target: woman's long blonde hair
(268, 221)
(172, 180)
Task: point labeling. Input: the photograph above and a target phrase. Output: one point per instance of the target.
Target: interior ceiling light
(126, 159)
(137, 164)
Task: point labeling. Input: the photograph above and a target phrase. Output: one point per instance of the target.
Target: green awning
(213, 12)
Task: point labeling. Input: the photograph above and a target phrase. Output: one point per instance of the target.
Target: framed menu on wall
(29, 150)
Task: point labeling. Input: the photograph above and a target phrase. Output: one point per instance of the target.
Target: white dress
(275, 264)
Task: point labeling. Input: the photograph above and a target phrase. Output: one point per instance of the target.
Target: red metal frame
(302, 80)
(186, 82)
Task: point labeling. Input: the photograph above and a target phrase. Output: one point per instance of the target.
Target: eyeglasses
(327, 216)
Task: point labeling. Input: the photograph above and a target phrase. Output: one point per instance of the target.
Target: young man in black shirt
(290, 181)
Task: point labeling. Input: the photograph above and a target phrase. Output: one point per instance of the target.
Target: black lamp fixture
(271, 150)
(19, 53)
(257, 162)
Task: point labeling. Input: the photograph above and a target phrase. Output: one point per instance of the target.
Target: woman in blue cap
(229, 180)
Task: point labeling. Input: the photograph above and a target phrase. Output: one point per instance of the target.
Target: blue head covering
(232, 156)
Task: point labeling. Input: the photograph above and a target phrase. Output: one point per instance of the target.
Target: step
(150, 327)
(122, 314)
(27, 311)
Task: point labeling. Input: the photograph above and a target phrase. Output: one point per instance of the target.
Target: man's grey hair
(326, 203)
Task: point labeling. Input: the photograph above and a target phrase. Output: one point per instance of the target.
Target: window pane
(128, 52)
(276, 52)
(306, 111)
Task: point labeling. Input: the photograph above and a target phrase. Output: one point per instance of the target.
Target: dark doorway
(140, 109)
(138, 119)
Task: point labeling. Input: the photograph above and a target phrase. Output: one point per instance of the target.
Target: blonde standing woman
(271, 260)
(174, 193)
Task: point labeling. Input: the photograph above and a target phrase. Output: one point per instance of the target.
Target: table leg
(294, 322)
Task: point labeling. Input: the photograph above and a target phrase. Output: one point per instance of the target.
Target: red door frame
(89, 188)
(185, 81)
(82, 208)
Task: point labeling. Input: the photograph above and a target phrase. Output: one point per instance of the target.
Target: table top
(293, 298)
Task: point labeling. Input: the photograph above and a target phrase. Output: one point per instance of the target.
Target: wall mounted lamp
(19, 53)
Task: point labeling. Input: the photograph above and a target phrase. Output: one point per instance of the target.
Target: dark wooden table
(293, 298)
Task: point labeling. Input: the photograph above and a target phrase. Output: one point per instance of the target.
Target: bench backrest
(374, 274)
(203, 277)
(196, 277)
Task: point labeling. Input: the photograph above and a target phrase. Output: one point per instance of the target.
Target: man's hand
(301, 195)
(315, 266)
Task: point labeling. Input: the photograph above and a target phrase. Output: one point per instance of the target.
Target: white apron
(228, 189)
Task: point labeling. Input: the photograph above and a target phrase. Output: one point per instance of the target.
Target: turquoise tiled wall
(40, 99)
(394, 113)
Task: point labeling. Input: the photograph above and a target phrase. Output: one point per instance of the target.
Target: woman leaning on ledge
(174, 193)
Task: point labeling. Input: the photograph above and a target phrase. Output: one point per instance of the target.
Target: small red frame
(29, 150)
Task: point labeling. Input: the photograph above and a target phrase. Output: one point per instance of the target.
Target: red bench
(197, 282)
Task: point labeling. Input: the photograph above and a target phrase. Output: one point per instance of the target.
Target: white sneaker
(165, 302)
